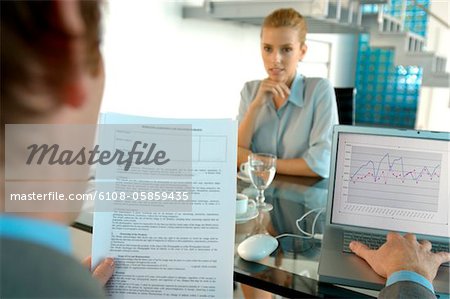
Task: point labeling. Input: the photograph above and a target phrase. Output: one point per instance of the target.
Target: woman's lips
(276, 71)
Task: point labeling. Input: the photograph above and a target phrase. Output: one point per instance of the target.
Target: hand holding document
(169, 226)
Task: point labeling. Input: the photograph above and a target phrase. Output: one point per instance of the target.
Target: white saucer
(243, 177)
(252, 213)
(251, 192)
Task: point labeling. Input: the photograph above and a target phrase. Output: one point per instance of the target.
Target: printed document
(165, 209)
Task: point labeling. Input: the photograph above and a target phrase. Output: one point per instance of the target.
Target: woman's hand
(268, 90)
(279, 90)
(103, 271)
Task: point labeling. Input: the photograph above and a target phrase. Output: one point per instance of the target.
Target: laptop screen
(392, 183)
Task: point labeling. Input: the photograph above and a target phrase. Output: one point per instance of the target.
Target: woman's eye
(287, 50)
(267, 49)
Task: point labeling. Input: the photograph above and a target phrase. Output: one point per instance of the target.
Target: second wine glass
(262, 171)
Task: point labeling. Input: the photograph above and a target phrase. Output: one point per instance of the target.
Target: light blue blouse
(301, 128)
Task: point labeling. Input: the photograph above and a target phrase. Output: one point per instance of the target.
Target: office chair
(345, 98)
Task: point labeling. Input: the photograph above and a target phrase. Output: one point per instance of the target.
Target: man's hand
(402, 253)
(103, 271)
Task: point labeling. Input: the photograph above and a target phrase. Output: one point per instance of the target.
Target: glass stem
(260, 198)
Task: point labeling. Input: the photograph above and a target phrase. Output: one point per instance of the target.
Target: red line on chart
(378, 174)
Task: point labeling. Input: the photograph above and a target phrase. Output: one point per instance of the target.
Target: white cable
(315, 220)
(297, 222)
(292, 235)
(311, 235)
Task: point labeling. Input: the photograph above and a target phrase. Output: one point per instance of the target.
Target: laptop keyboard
(374, 241)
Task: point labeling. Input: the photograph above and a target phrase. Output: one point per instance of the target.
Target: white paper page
(175, 254)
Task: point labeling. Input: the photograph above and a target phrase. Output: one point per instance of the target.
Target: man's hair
(287, 17)
(35, 49)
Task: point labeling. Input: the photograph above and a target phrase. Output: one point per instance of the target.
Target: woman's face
(281, 51)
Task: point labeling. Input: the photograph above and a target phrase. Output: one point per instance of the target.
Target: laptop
(384, 180)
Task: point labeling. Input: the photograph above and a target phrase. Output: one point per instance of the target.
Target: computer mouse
(257, 247)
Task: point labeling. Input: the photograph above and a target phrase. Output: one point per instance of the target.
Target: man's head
(52, 72)
(49, 57)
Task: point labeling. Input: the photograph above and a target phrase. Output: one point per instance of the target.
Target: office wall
(159, 64)
(343, 57)
(433, 112)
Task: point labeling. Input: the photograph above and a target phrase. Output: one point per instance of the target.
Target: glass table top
(291, 270)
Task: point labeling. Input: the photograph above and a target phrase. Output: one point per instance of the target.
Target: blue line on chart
(376, 173)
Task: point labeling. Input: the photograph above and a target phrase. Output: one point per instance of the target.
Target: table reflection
(291, 199)
(293, 266)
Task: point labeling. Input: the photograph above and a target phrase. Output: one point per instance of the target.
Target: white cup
(242, 203)
(245, 169)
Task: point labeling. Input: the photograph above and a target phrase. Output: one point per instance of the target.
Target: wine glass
(262, 171)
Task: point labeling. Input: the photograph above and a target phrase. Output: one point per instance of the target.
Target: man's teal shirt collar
(37, 231)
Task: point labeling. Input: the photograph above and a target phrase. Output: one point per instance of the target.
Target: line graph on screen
(393, 178)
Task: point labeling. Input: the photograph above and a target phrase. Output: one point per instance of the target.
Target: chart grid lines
(393, 178)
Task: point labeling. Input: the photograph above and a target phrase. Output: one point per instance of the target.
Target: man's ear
(74, 93)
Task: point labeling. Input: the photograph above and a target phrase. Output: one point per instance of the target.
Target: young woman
(287, 114)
